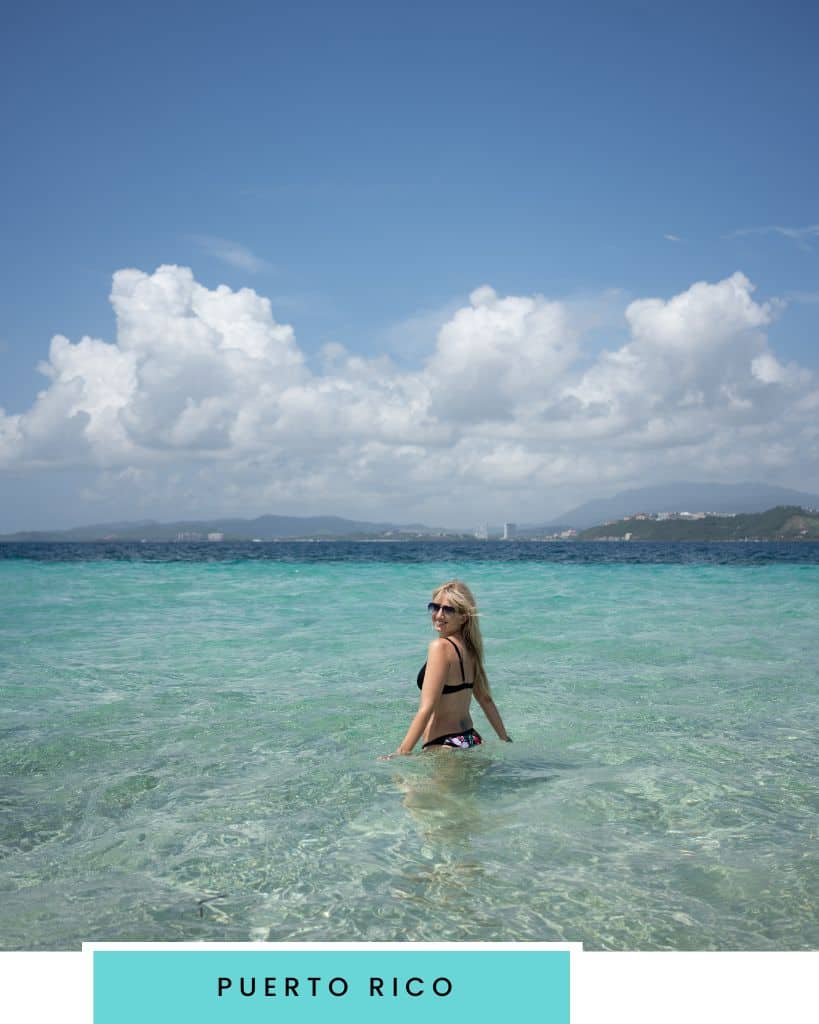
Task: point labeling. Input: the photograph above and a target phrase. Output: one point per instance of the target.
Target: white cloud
(204, 404)
(809, 298)
(799, 235)
(498, 356)
(233, 253)
(413, 338)
(685, 355)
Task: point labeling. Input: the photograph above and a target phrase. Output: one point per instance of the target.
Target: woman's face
(443, 622)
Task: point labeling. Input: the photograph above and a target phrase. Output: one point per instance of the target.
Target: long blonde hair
(462, 600)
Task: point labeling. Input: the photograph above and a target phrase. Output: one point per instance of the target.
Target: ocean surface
(190, 736)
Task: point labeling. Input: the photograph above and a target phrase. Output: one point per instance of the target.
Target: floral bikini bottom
(459, 740)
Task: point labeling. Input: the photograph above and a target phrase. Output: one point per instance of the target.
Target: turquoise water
(188, 751)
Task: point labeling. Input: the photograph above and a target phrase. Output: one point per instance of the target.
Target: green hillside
(785, 522)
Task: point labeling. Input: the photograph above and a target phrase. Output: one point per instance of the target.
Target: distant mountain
(268, 527)
(686, 497)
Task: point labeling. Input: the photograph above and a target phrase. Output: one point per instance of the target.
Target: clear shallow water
(188, 748)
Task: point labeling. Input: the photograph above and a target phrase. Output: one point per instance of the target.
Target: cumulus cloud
(684, 352)
(204, 402)
(498, 356)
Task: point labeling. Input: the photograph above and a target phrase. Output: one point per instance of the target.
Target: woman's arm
(434, 679)
(493, 716)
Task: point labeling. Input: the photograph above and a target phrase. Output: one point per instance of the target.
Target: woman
(454, 658)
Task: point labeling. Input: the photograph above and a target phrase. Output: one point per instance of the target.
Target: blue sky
(367, 167)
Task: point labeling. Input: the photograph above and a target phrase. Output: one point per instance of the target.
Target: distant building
(188, 535)
(509, 531)
(216, 536)
(482, 532)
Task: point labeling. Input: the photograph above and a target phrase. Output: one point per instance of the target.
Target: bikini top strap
(460, 659)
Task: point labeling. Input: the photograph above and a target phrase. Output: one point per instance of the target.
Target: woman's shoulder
(440, 645)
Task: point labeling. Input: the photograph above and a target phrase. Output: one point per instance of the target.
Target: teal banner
(304, 987)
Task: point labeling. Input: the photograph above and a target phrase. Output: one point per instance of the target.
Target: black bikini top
(464, 685)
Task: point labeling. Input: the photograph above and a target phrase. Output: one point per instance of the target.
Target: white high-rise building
(509, 530)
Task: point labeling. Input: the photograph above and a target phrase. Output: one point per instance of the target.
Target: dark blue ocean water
(570, 552)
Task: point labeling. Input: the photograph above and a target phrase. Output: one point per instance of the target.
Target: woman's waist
(441, 724)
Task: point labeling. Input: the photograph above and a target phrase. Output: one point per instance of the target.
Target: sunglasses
(447, 609)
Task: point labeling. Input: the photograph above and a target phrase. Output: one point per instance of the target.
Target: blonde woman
(452, 675)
